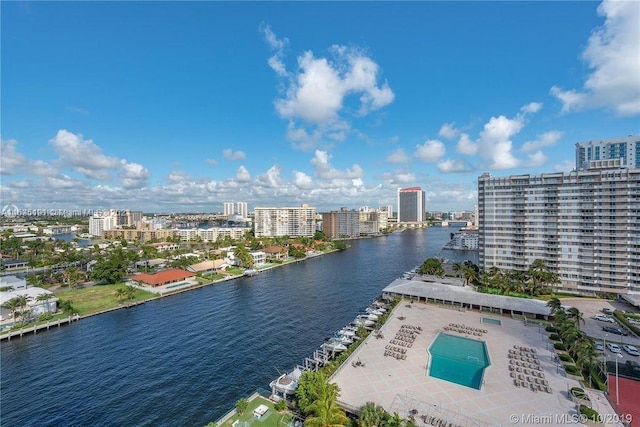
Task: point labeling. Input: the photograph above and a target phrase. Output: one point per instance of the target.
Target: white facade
(259, 257)
(212, 234)
(227, 208)
(99, 224)
(584, 224)
(242, 209)
(272, 222)
(613, 152)
(36, 306)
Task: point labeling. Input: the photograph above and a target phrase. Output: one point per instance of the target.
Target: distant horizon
(181, 106)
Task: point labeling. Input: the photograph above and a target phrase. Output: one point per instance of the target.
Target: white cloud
(398, 156)
(448, 131)
(177, 177)
(532, 107)
(243, 175)
(270, 179)
(565, 166)
(430, 151)
(453, 166)
(133, 175)
(211, 162)
(314, 97)
(302, 180)
(546, 139)
(325, 171)
(10, 159)
(466, 146)
(229, 154)
(277, 46)
(536, 159)
(495, 141)
(83, 155)
(612, 56)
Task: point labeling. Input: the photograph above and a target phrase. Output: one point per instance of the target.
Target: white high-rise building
(227, 208)
(99, 224)
(585, 225)
(272, 222)
(613, 152)
(242, 209)
(388, 209)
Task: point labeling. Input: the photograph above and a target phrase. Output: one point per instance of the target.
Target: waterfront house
(36, 304)
(164, 277)
(208, 267)
(275, 253)
(14, 264)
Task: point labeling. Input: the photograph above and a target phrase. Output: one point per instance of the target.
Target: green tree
(431, 266)
(555, 305)
(12, 305)
(120, 294)
(111, 269)
(340, 245)
(393, 421)
(575, 315)
(241, 405)
(308, 390)
(325, 410)
(372, 415)
(66, 306)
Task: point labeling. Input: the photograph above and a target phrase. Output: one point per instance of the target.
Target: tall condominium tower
(271, 222)
(411, 204)
(227, 208)
(342, 223)
(584, 224)
(616, 152)
(242, 210)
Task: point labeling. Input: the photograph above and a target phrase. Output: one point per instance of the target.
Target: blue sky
(178, 107)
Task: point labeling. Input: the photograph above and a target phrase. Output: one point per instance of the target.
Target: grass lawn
(234, 271)
(272, 418)
(98, 298)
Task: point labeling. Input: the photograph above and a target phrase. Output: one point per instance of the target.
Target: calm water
(186, 359)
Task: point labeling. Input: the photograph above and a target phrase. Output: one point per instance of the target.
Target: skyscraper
(227, 208)
(241, 209)
(411, 204)
(342, 223)
(613, 152)
(272, 222)
(585, 225)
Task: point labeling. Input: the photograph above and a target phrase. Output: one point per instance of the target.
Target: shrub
(559, 346)
(592, 414)
(565, 357)
(241, 406)
(554, 337)
(551, 328)
(280, 405)
(572, 369)
(579, 393)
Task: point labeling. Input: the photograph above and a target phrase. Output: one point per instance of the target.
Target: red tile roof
(162, 277)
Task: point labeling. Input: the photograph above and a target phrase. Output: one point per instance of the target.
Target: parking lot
(593, 328)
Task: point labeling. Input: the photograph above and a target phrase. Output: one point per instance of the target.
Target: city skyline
(169, 107)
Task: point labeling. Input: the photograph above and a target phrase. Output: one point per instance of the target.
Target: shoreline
(74, 318)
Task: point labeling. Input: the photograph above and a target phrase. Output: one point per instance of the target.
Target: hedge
(554, 337)
(565, 357)
(551, 328)
(572, 369)
(625, 322)
(592, 414)
(559, 346)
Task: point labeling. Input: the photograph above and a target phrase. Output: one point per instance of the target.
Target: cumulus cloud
(229, 154)
(314, 96)
(430, 151)
(10, 159)
(453, 166)
(448, 131)
(565, 166)
(83, 155)
(270, 179)
(325, 171)
(495, 141)
(133, 175)
(532, 107)
(398, 156)
(612, 56)
(211, 162)
(466, 146)
(302, 180)
(536, 159)
(546, 139)
(243, 175)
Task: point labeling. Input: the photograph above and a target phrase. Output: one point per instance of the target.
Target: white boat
(347, 332)
(343, 339)
(363, 321)
(334, 346)
(250, 272)
(376, 311)
(286, 384)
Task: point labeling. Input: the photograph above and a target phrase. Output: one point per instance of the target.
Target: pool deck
(403, 385)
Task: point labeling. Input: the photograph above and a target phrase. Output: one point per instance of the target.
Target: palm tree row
(578, 344)
(534, 281)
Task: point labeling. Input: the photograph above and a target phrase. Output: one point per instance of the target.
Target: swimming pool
(177, 285)
(491, 321)
(458, 360)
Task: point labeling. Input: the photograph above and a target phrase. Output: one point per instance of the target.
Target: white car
(614, 348)
(604, 318)
(598, 346)
(631, 350)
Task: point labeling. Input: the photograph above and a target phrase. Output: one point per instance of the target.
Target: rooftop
(162, 277)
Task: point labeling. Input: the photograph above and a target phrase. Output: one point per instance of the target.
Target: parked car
(603, 318)
(607, 311)
(614, 348)
(598, 346)
(613, 330)
(631, 350)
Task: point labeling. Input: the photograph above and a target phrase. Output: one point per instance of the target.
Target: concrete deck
(403, 385)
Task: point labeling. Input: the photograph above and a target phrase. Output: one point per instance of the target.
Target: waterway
(186, 359)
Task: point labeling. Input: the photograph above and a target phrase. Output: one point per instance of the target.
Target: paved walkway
(404, 385)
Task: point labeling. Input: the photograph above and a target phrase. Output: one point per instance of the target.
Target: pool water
(458, 360)
(491, 321)
(177, 285)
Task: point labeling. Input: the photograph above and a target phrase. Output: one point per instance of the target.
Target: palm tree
(326, 412)
(458, 268)
(12, 305)
(586, 357)
(555, 305)
(576, 315)
(372, 415)
(393, 421)
(121, 293)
